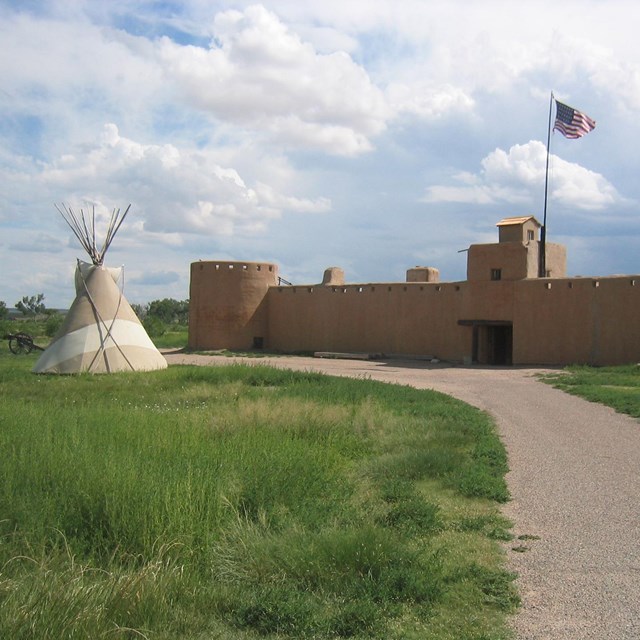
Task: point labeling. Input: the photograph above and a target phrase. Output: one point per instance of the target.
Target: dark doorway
(492, 341)
(500, 344)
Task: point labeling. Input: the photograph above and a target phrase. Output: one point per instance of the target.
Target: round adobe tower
(228, 304)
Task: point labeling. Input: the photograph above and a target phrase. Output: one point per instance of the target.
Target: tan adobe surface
(502, 313)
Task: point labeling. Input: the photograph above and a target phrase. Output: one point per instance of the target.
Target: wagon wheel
(20, 343)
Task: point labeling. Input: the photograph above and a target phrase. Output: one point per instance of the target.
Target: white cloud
(230, 117)
(427, 101)
(326, 39)
(270, 196)
(259, 74)
(581, 188)
(599, 65)
(54, 69)
(35, 243)
(517, 176)
(156, 278)
(174, 190)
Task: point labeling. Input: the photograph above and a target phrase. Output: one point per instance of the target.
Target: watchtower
(519, 229)
(228, 304)
(516, 255)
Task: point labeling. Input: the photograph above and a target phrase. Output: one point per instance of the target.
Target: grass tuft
(616, 387)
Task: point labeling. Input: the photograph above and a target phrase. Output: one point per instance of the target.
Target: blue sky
(370, 135)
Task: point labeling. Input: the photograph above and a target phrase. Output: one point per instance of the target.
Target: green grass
(174, 336)
(616, 387)
(246, 502)
(35, 328)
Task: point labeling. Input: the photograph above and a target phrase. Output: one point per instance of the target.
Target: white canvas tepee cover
(101, 333)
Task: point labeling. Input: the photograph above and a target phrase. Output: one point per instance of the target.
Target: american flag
(571, 123)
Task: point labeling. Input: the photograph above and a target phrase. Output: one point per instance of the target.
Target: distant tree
(31, 305)
(169, 311)
(4, 312)
(140, 310)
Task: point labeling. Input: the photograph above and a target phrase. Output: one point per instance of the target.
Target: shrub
(170, 311)
(53, 323)
(5, 327)
(154, 326)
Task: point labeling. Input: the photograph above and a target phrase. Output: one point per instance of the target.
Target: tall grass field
(242, 502)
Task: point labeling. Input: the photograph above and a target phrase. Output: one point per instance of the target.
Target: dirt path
(575, 486)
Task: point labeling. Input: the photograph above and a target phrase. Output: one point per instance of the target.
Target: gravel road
(575, 484)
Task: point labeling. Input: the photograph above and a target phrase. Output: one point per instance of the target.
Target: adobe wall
(577, 320)
(555, 261)
(510, 257)
(516, 260)
(392, 318)
(555, 321)
(410, 318)
(423, 274)
(228, 304)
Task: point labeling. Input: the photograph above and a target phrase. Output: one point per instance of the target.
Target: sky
(371, 135)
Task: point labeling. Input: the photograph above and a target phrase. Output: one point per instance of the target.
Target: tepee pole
(542, 258)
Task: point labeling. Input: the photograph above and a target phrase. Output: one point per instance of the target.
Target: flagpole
(542, 258)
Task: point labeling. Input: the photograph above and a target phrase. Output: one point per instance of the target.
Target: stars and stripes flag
(571, 123)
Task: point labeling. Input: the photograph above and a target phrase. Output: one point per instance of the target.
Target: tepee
(100, 333)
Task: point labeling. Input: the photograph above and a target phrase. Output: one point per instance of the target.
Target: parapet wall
(228, 304)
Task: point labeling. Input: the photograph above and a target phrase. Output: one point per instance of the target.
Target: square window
(530, 234)
(496, 274)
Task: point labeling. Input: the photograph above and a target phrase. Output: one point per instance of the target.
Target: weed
(414, 515)
(496, 586)
(493, 526)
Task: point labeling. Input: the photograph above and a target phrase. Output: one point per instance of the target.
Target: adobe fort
(503, 313)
